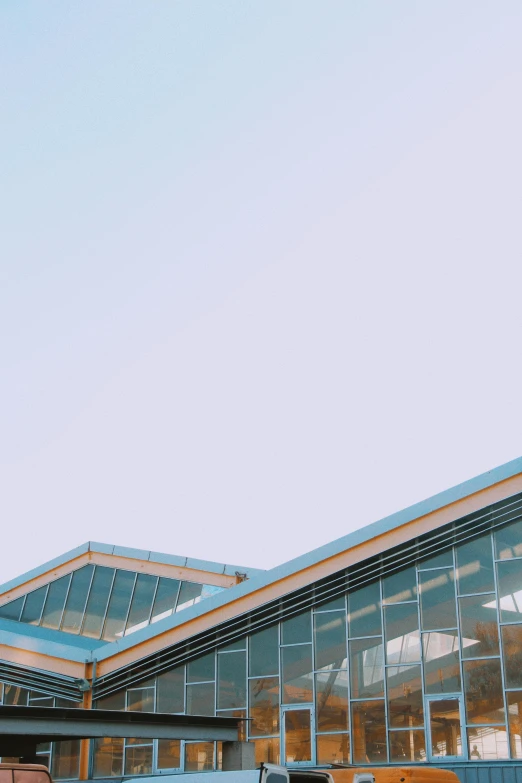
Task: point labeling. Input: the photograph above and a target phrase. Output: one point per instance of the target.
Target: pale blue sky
(260, 268)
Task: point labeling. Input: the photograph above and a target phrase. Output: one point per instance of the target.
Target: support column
(238, 755)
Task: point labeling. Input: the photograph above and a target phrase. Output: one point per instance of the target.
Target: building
(401, 643)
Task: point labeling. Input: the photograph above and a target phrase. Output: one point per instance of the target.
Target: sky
(260, 268)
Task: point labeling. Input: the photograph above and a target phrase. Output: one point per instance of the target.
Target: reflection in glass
(406, 746)
(514, 702)
(169, 754)
(264, 706)
(475, 566)
(478, 626)
(202, 669)
(331, 699)
(189, 594)
(138, 758)
(108, 757)
(97, 603)
(200, 698)
(368, 732)
(263, 656)
(140, 700)
(446, 729)
(77, 598)
(33, 606)
(298, 736)
(236, 714)
(508, 540)
(366, 668)
(512, 650)
(333, 749)
(488, 743)
(15, 695)
(115, 701)
(199, 756)
(141, 604)
(11, 610)
(483, 691)
(165, 600)
(119, 601)
(402, 633)
(231, 680)
(66, 760)
(296, 665)
(330, 640)
(437, 600)
(170, 691)
(333, 603)
(55, 601)
(441, 662)
(297, 629)
(364, 607)
(510, 590)
(267, 750)
(405, 707)
(401, 586)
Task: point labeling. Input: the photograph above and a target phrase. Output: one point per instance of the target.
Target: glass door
(445, 732)
(297, 735)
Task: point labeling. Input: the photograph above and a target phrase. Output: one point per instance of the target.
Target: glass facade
(105, 603)
(424, 665)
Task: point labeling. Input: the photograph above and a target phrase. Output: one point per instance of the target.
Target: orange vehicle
(420, 774)
(24, 773)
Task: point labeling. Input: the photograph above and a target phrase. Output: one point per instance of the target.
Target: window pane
(478, 626)
(33, 606)
(368, 732)
(405, 696)
(475, 566)
(264, 706)
(334, 603)
(118, 605)
(15, 695)
(11, 611)
(140, 700)
(116, 701)
(297, 673)
(202, 669)
(297, 629)
(406, 746)
(97, 603)
(441, 662)
(200, 699)
(330, 640)
(365, 611)
(510, 590)
(402, 633)
(437, 594)
(267, 750)
(331, 694)
(264, 652)
(446, 729)
(333, 749)
(512, 644)
(189, 594)
(239, 644)
(169, 754)
(76, 600)
(108, 757)
(231, 680)
(141, 605)
(366, 668)
(66, 759)
(170, 691)
(514, 700)
(138, 760)
(508, 540)
(55, 601)
(442, 560)
(199, 756)
(483, 691)
(166, 597)
(488, 743)
(298, 736)
(401, 586)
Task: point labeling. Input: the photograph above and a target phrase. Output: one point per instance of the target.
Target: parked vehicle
(24, 773)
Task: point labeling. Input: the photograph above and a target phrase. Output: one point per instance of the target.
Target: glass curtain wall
(424, 665)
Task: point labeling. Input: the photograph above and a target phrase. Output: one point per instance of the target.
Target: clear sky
(260, 268)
